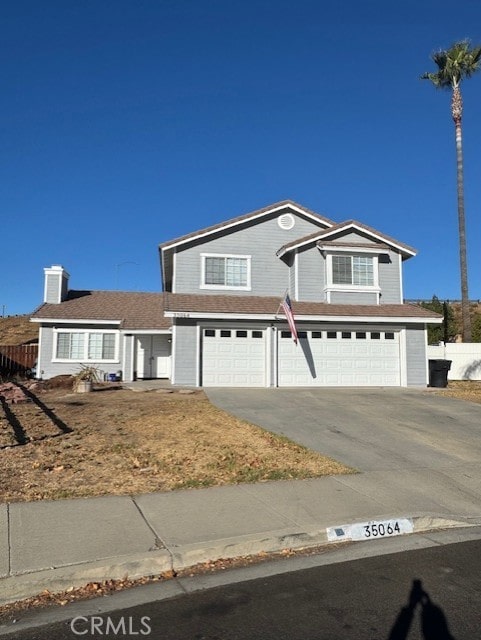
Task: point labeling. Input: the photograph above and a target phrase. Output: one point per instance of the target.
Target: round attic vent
(286, 221)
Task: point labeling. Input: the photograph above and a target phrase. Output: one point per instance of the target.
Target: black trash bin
(438, 372)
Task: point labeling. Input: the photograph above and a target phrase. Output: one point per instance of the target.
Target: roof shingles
(134, 310)
(185, 303)
(145, 311)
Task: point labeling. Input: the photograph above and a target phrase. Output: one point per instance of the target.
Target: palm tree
(455, 64)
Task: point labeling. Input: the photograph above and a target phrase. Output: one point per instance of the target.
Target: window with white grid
(226, 272)
(354, 270)
(86, 346)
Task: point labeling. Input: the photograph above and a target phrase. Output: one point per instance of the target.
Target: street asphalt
(427, 593)
(418, 454)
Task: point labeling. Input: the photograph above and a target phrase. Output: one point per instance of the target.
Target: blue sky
(127, 123)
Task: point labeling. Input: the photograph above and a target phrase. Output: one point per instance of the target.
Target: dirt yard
(62, 444)
(462, 389)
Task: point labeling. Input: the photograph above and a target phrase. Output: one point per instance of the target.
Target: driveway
(370, 429)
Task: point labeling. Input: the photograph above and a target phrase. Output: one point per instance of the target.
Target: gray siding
(292, 263)
(311, 268)
(64, 291)
(416, 359)
(269, 274)
(353, 297)
(56, 286)
(184, 353)
(47, 369)
(127, 344)
(311, 265)
(45, 353)
(53, 287)
(390, 278)
(351, 237)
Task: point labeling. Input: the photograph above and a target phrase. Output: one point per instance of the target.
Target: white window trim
(224, 287)
(352, 288)
(85, 358)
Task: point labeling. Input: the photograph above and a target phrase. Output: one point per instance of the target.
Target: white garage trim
(198, 372)
(403, 358)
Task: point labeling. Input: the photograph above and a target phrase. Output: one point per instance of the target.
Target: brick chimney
(56, 284)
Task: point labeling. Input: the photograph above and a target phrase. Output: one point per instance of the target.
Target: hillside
(17, 330)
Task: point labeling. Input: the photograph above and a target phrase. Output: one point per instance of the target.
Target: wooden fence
(17, 359)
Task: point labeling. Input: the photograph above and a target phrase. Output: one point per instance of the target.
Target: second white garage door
(339, 358)
(233, 358)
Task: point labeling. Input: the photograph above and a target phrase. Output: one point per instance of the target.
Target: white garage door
(339, 358)
(233, 358)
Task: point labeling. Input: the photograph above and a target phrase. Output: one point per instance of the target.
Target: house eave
(263, 213)
(148, 332)
(301, 318)
(403, 250)
(74, 321)
(406, 252)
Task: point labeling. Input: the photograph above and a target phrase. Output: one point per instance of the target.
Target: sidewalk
(55, 545)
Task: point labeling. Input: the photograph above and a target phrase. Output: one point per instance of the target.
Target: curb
(57, 579)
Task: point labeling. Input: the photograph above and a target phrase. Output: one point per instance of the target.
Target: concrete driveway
(370, 429)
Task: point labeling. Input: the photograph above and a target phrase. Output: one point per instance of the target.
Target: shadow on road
(434, 625)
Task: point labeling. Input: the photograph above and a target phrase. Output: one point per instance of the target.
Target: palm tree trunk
(457, 109)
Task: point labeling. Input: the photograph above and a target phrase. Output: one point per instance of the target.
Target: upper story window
(82, 346)
(353, 270)
(226, 272)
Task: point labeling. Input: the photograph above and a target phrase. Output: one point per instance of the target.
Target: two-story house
(219, 320)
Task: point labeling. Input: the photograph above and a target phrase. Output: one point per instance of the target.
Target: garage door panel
(346, 350)
(233, 358)
(361, 365)
(332, 349)
(363, 359)
(361, 349)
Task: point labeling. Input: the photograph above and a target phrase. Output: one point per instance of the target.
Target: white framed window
(85, 346)
(353, 270)
(219, 271)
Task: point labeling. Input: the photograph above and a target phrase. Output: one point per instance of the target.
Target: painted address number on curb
(370, 530)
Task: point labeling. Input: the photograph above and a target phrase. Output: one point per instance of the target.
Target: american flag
(287, 308)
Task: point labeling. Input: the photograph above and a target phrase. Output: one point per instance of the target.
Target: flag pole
(280, 303)
(286, 306)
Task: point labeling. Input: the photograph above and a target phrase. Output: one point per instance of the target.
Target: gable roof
(198, 305)
(130, 310)
(272, 208)
(349, 225)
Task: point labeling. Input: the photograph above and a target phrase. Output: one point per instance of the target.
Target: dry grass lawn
(115, 441)
(462, 389)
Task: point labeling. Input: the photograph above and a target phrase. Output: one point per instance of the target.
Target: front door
(153, 356)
